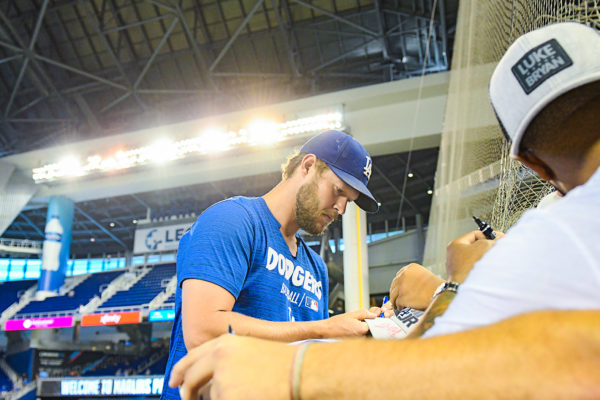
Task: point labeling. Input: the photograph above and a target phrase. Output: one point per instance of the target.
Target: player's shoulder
(238, 206)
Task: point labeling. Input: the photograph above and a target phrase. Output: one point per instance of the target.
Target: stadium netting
(475, 176)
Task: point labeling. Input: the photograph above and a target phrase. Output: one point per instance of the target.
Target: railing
(170, 288)
(18, 305)
(20, 392)
(21, 246)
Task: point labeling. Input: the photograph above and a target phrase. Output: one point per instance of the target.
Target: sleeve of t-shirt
(218, 247)
(538, 265)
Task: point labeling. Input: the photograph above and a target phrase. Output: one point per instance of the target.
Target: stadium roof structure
(73, 70)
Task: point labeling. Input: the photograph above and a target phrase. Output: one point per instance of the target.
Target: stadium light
(263, 132)
(211, 140)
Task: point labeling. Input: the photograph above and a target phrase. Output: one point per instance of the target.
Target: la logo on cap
(368, 166)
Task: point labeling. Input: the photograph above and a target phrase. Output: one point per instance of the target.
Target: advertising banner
(115, 318)
(161, 315)
(38, 323)
(57, 242)
(158, 239)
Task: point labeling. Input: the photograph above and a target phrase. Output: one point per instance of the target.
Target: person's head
(546, 94)
(334, 169)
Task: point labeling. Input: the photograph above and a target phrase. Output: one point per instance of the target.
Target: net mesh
(475, 175)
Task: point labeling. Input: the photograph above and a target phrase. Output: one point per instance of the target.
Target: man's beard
(307, 209)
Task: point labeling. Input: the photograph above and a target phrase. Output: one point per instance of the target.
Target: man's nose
(340, 205)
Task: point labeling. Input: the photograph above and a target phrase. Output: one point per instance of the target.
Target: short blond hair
(293, 161)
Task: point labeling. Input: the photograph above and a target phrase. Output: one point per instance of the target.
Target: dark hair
(293, 161)
(547, 131)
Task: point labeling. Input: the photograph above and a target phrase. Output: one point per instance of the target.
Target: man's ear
(307, 163)
(539, 166)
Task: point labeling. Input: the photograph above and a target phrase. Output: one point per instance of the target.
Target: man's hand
(387, 309)
(348, 324)
(413, 287)
(464, 252)
(235, 367)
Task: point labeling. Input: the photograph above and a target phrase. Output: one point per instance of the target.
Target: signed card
(396, 327)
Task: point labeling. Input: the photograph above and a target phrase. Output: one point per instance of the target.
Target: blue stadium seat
(144, 290)
(6, 384)
(11, 292)
(81, 295)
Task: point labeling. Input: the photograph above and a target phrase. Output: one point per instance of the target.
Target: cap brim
(365, 200)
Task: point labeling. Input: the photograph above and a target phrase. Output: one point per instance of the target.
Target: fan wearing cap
(243, 264)
(546, 94)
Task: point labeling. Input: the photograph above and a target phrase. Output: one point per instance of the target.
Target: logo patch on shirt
(312, 304)
(539, 64)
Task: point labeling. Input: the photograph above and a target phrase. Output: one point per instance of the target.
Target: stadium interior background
(145, 112)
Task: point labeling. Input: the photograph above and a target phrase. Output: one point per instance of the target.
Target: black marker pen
(485, 228)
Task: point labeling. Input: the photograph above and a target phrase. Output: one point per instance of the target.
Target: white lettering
(281, 265)
(107, 318)
(289, 269)
(298, 275)
(271, 259)
(106, 387)
(308, 280)
(82, 387)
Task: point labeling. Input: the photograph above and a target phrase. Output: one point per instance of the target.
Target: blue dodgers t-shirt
(237, 245)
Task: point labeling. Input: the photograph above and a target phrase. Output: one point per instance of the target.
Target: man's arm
(461, 256)
(542, 355)
(206, 314)
(413, 286)
(436, 308)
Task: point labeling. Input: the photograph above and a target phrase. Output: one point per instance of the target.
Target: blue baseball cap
(348, 160)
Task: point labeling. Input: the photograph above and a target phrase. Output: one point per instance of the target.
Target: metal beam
(235, 35)
(444, 32)
(381, 26)
(34, 36)
(342, 56)
(91, 15)
(115, 102)
(162, 42)
(162, 5)
(4, 35)
(204, 72)
(79, 72)
(16, 86)
(336, 17)
(286, 40)
(134, 24)
(11, 58)
(393, 186)
(101, 227)
(30, 222)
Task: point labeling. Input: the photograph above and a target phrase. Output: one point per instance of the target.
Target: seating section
(6, 384)
(80, 295)
(144, 290)
(159, 366)
(171, 299)
(121, 365)
(11, 292)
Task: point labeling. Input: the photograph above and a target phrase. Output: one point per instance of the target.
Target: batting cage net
(475, 175)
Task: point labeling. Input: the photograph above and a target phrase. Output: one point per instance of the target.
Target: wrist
(446, 286)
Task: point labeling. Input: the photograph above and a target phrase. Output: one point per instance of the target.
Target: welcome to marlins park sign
(159, 238)
(101, 386)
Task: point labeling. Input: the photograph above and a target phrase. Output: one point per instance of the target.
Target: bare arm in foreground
(542, 355)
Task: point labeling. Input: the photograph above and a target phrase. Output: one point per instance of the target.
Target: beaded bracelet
(295, 371)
